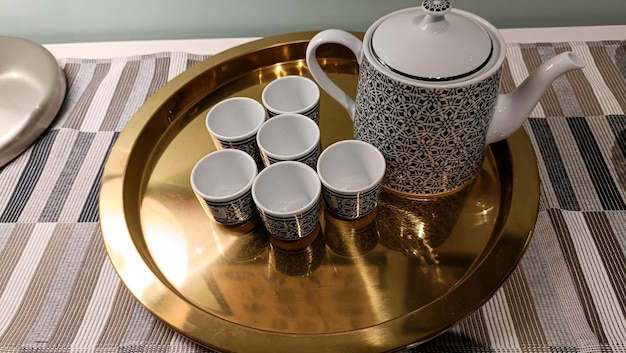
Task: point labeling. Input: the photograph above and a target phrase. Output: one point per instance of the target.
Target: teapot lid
(431, 43)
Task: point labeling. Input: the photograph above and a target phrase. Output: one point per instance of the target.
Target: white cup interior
(290, 94)
(223, 175)
(235, 118)
(286, 188)
(288, 136)
(351, 166)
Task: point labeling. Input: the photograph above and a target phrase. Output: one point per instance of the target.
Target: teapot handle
(340, 37)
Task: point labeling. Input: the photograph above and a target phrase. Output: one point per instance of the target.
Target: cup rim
(290, 78)
(236, 154)
(287, 164)
(285, 157)
(377, 180)
(253, 102)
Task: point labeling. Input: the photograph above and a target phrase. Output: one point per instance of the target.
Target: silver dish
(32, 89)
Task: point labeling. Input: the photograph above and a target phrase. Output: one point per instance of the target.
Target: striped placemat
(59, 292)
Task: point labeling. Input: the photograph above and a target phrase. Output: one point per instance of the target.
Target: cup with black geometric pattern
(289, 137)
(292, 94)
(351, 172)
(222, 181)
(288, 197)
(234, 123)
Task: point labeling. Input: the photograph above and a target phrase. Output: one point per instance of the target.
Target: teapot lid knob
(436, 7)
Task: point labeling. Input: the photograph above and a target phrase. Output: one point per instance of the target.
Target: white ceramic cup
(222, 180)
(234, 123)
(351, 172)
(292, 94)
(289, 137)
(288, 197)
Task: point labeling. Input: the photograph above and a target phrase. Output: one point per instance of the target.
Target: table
(59, 292)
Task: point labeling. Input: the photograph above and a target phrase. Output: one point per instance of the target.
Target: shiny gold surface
(396, 278)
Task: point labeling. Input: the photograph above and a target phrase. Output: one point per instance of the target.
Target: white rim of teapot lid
(431, 43)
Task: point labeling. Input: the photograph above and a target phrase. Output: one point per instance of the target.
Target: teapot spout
(513, 108)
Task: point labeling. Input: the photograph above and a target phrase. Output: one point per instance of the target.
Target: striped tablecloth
(59, 292)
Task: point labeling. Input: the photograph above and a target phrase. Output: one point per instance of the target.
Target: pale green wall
(54, 21)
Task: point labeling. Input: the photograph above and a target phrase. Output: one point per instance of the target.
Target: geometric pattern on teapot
(433, 139)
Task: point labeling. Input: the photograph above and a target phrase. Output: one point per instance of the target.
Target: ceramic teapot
(428, 93)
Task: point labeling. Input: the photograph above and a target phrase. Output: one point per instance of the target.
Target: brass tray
(392, 280)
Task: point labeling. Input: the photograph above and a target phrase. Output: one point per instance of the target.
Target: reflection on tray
(351, 238)
(418, 227)
(405, 254)
(299, 261)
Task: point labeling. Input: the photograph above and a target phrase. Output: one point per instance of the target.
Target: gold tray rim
(216, 333)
